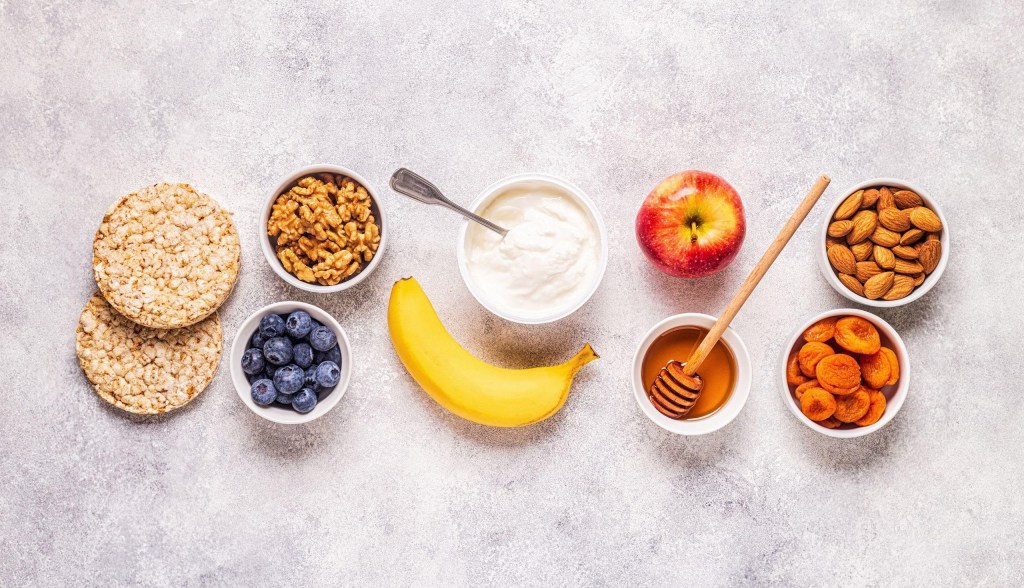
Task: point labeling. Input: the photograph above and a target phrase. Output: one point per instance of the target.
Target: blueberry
(278, 350)
(322, 339)
(298, 324)
(328, 374)
(302, 355)
(268, 372)
(271, 325)
(332, 354)
(263, 392)
(252, 361)
(304, 400)
(284, 398)
(288, 379)
(310, 379)
(257, 340)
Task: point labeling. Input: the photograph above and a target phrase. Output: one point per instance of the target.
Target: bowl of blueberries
(290, 362)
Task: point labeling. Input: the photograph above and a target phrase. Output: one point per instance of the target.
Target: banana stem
(582, 358)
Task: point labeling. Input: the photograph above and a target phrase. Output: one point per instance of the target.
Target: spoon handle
(700, 354)
(411, 184)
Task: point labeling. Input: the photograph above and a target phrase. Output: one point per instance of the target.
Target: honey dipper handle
(700, 354)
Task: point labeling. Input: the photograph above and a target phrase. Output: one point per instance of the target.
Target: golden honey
(718, 371)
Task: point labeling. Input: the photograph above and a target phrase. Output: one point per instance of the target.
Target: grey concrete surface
(100, 98)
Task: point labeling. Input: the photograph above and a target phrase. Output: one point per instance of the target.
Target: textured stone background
(101, 98)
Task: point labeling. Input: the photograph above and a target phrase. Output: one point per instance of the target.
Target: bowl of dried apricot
(845, 373)
(885, 243)
(322, 229)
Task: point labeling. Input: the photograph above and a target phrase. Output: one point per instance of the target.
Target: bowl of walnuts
(322, 229)
(885, 243)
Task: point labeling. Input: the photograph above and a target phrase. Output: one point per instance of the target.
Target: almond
(852, 283)
(904, 251)
(878, 285)
(829, 242)
(886, 199)
(842, 259)
(910, 268)
(867, 270)
(907, 199)
(932, 237)
(864, 223)
(918, 280)
(870, 198)
(924, 219)
(901, 286)
(883, 236)
(840, 228)
(894, 219)
(862, 250)
(912, 236)
(884, 257)
(929, 254)
(849, 206)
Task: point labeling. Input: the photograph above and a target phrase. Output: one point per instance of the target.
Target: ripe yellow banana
(465, 385)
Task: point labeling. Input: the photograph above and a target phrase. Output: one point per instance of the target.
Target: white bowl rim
(492, 191)
(930, 280)
(721, 417)
(268, 250)
(277, 413)
(892, 405)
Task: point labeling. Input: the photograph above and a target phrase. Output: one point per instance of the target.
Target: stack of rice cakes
(165, 258)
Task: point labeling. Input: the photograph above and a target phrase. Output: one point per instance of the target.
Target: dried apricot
(857, 335)
(838, 391)
(875, 370)
(799, 392)
(794, 377)
(852, 406)
(822, 330)
(875, 410)
(810, 354)
(839, 371)
(817, 404)
(894, 366)
(829, 423)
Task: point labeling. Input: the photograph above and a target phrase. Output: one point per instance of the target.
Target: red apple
(691, 225)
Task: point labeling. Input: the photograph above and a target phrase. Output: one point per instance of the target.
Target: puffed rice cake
(166, 256)
(143, 370)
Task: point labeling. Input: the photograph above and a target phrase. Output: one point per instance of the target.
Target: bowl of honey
(725, 372)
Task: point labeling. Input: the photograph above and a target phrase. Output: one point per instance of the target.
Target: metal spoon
(417, 187)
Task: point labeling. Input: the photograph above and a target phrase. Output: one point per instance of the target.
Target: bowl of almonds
(322, 229)
(886, 243)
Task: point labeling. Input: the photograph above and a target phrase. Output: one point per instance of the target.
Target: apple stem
(693, 231)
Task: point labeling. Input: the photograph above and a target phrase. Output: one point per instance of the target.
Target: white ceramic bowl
(930, 280)
(894, 395)
(524, 181)
(276, 412)
(268, 245)
(733, 405)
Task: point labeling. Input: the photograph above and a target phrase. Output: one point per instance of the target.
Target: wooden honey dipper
(678, 386)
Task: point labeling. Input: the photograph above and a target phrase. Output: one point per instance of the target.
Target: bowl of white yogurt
(552, 259)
